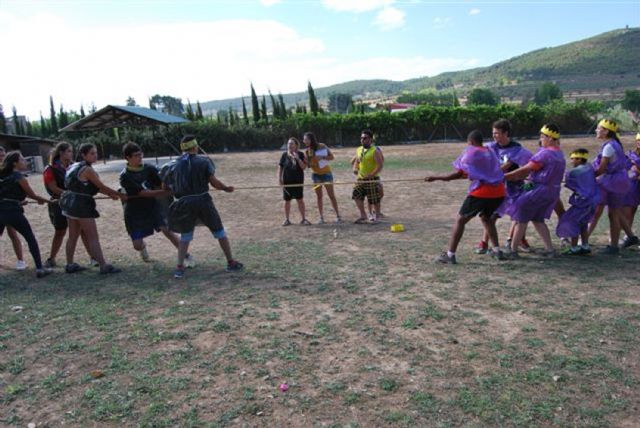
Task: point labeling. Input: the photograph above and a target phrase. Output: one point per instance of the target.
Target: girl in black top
(77, 204)
(291, 171)
(13, 235)
(14, 188)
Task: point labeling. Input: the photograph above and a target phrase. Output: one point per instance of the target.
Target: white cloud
(270, 2)
(389, 18)
(356, 5)
(439, 23)
(191, 60)
(474, 12)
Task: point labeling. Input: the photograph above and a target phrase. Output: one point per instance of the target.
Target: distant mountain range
(599, 67)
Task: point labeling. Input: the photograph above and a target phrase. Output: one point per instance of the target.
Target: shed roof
(122, 116)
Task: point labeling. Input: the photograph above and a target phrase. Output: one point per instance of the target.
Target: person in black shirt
(143, 214)
(13, 235)
(14, 188)
(291, 171)
(189, 178)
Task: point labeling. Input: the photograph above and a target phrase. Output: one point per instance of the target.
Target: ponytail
(9, 163)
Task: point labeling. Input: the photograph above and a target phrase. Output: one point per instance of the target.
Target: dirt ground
(359, 323)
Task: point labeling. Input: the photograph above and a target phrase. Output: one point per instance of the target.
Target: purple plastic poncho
(481, 165)
(537, 204)
(615, 179)
(585, 198)
(632, 197)
(519, 156)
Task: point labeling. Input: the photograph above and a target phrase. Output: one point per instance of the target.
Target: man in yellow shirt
(368, 164)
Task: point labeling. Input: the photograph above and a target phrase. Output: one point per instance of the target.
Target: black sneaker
(444, 258)
(498, 255)
(41, 273)
(234, 266)
(109, 269)
(629, 241)
(609, 251)
(49, 263)
(179, 272)
(74, 268)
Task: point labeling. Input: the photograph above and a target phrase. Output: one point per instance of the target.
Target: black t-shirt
(189, 175)
(133, 182)
(291, 171)
(10, 187)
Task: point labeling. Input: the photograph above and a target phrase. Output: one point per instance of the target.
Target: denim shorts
(322, 178)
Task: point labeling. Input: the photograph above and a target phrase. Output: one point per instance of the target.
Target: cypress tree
(189, 111)
(199, 115)
(232, 118)
(29, 130)
(64, 117)
(283, 107)
(274, 105)
(254, 105)
(244, 113)
(17, 126)
(313, 102)
(81, 111)
(44, 129)
(52, 111)
(3, 121)
(263, 109)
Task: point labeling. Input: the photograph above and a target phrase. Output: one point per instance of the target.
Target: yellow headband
(607, 124)
(584, 156)
(549, 133)
(638, 136)
(188, 145)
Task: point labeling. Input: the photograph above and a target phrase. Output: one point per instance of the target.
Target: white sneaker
(189, 261)
(21, 265)
(93, 263)
(144, 254)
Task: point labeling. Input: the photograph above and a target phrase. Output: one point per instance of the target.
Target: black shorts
(370, 190)
(289, 193)
(473, 206)
(186, 212)
(58, 220)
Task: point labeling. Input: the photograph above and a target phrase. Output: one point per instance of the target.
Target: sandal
(305, 222)
(361, 221)
(286, 222)
(107, 269)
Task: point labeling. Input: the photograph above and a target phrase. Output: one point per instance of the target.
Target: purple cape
(537, 203)
(615, 178)
(632, 197)
(480, 165)
(585, 197)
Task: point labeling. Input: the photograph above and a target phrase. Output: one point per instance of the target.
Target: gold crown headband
(188, 145)
(638, 136)
(549, 133)
(607, 124)
(584, 156)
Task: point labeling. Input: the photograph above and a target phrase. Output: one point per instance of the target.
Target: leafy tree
(244, 113)
(340, 102)
(547, 92)
(481, 96)
(631, 100)
(255, 105)
(263, 109)
(3, 121)
(152, 105)
(199, 115)
(167, 104)
(313, 101)
(131, 102)
(52, 117)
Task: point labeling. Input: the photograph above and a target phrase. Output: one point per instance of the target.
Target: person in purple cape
(512, 155)
(486, 192)
(575, 221)
(613, 180)
(632, 198)
(539, 197)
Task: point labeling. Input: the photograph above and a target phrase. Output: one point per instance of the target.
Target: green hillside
(609, 62)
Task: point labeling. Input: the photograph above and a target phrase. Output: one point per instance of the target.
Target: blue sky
(101, 52)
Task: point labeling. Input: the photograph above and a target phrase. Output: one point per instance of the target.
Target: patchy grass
(359, 323)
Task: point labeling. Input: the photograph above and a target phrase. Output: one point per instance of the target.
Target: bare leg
(56, 243)
(544, 233)
(614, 225)
(72, 240)
(287, 209)
(138, 244)
(301, 208)
(226, 248)
(332, 198)
(90, 229)
(183, 249)
(490, 230)
(170, 236)
(518, 234)
(457, 232)
(360, 205)
(318, 190)
(595, 219)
